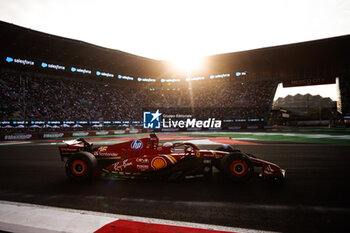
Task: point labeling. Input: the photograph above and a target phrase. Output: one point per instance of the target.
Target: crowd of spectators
(28, 96)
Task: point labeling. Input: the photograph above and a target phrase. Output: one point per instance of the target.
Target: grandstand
(46, 78)
(30, 97)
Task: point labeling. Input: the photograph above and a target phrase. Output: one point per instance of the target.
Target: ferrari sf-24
(146, 158)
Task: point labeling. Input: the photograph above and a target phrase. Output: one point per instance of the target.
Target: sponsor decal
(37, 122)
(18, 137)
(9, 59)
(145, 79)
(219, 76)
(105, 74)
(137, 144)
(102, 148)
(19, 61)
(125, 77)
(69, 122)
(173, 80)
(244, 73)
(158, 163)
(80, 70)
(141, 160)
(240, 120)
(122, 165)
(24, 62)
(53, 135)
(142, 167)
(52, 66)
(54, 122)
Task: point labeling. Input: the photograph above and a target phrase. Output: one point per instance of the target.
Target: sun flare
(187, 64)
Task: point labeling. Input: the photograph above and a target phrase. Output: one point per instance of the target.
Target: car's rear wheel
(80, 167)
(237, 167)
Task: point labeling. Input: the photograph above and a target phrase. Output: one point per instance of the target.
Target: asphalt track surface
(314, 197)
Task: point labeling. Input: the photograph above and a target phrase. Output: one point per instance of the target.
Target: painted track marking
(21, 217)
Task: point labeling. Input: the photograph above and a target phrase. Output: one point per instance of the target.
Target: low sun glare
(187, 64)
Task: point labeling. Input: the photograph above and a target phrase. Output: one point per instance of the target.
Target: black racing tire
(81, 166)
(237, 167)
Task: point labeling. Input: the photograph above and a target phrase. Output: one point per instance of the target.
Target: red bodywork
(146, 155)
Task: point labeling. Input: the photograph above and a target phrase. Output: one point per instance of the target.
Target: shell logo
(158, 163)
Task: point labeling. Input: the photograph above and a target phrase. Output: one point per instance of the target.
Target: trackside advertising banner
(308, 82)
(18, 137)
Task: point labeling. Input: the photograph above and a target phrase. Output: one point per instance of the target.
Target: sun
(187, 63)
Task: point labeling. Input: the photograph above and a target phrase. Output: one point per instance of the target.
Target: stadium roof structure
(319, 58)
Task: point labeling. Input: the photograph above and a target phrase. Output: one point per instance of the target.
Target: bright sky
(326, 90)
(182, 29)
(164, 29)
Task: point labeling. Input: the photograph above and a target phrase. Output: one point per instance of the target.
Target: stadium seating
(29, 96)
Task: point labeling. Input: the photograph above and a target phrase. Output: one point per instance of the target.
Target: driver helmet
(168, 144)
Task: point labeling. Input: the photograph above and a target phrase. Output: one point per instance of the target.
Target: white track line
(13, 143)
(21, 217)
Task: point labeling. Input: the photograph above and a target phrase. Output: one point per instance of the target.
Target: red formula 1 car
(146, 158)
